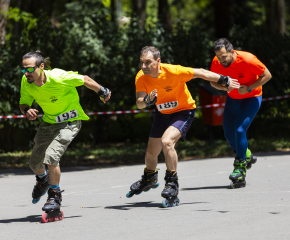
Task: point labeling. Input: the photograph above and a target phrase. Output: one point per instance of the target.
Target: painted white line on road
(118, 186)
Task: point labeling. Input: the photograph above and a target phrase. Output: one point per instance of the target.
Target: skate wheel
(35, 200)
(232, 185)
(156, 185)
(61, 217)
(129, 194)
(166, 203)
(50, 219)
(177, 201)
(44, 218)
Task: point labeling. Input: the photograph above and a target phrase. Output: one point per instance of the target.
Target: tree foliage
(87, 41)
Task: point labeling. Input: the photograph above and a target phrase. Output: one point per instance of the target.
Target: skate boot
(149, 180)
(52, 206)
(238, 176)
(170, 190)
(250, 158)
(40, 188)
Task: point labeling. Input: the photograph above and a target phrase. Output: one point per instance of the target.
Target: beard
(227, 64)
(30, 80)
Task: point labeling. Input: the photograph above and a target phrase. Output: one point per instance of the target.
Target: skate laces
(148, 173)
(171, 179)
(54, 195)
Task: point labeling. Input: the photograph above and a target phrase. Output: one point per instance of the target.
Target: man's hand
(151, 98)
(107, 99)
(234, 84)
(105, 94)
(243, 89)
(31, 114)
(153, 94)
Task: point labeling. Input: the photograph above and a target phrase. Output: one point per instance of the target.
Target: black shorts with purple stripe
(181, 120)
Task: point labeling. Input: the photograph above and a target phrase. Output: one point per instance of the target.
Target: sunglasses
(29, 69)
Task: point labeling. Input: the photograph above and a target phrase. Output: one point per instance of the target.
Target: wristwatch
(249, 89)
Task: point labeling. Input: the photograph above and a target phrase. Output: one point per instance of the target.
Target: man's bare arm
(265, 77)
(214, 77)
(93, 85)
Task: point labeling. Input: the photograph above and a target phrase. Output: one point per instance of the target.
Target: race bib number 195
(166, 106)
(66, 116)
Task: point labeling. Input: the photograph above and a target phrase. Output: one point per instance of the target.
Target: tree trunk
(280, 17)
(222, 18)
(113, 11)
(4, 6)
(276, 15)
(164, 14)
(139, 8)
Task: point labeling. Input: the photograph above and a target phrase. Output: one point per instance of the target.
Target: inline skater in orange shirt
(164, 85)
(242, 104)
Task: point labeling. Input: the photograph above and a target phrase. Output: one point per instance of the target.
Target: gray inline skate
(52, 206)
(170, 190)
(40, 188)
(148, 180)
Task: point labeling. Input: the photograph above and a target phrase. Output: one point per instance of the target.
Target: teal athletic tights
(238, 115)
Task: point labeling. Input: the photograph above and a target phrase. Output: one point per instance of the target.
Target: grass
(133, 153)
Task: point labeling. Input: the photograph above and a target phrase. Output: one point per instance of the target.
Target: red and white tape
(141, 111)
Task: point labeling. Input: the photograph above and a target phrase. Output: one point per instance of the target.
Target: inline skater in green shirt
(55, 92)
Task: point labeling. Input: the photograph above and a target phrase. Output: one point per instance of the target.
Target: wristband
(224, 81)
(148, 102)
(25, 110)
(103, 92)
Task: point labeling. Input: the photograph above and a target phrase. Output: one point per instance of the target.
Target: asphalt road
(95, 204)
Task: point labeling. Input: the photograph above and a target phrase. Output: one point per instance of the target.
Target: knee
(167, 143)
(240, 132)
(35, 166)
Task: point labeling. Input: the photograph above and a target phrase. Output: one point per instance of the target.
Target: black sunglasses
(29, 69)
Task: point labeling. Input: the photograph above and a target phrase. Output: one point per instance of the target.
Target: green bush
(88, 42)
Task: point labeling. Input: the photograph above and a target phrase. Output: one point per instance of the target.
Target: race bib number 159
(166, 106)
(66, 116)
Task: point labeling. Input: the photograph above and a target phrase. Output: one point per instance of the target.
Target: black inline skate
(40, 188)
(170, 190)
(250, 158)
(149, 180)
(52, 206)
(238, 176)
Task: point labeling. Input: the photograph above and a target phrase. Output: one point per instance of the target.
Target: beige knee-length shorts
(51, 141)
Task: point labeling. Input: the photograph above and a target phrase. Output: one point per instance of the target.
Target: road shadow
(209, 187)
(149, 204)
(32, 218)
(128, 206)
(27, 171)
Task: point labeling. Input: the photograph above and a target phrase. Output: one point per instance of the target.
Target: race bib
(166, 106)
(66, 116)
